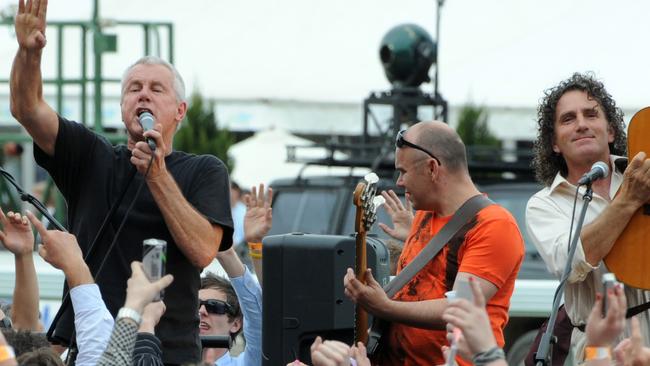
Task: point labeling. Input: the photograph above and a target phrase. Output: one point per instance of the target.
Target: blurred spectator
(238, 210)
(11, 158)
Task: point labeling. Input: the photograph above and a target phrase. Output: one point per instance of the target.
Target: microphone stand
(544, 352)
(26, 197)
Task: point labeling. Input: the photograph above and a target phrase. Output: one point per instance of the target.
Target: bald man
(432, 165)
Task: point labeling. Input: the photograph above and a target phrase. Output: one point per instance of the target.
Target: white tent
(262, 158)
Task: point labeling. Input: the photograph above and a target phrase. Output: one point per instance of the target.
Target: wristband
(129, 313)
(491, 355)
(6, 353)
(597, 353)
(255, 250)
(255, 246)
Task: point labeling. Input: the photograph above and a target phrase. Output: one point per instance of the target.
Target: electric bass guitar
(366, 203)
(630, 255)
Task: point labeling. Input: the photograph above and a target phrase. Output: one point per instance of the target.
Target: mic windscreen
(146, 120)
(602, 166)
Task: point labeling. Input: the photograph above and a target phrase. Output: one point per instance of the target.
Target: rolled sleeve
(548, 226)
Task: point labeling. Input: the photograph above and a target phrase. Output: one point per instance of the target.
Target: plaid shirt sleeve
(119, 351)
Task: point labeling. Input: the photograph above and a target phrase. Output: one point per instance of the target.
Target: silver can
(154, 260)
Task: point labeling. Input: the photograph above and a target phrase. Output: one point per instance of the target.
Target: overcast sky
(495, 52)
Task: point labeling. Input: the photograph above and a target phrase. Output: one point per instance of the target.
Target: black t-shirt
(91, 174)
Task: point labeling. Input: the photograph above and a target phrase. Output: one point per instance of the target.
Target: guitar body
(630, 255)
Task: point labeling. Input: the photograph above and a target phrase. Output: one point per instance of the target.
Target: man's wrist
(147, 326)
(493, 354)
(78, 274)
(597, 353)
(24, 256)
(130, 313)
(161, 179)
(30, 52)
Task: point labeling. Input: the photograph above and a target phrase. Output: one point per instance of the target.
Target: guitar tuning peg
(378, 201)
(371, 178)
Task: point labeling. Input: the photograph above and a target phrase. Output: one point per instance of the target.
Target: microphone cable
(66, 299)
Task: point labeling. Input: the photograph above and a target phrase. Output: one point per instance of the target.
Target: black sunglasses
(400, 142)
(214, 306)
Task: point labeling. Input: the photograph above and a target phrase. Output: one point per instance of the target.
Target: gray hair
(179, 84)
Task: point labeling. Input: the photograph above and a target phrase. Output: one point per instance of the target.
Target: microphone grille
(602, 166)
(146, 120)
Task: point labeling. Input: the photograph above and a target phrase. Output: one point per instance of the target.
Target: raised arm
(257, 223)
(93, 322)
(401, 215)
(249, 294)
(26, 85)
(17, 237)
(139, 293)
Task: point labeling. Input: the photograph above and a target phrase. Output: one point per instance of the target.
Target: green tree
(473, 128)
(200, 133)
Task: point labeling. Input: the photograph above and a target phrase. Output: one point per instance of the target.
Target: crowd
(447, 235)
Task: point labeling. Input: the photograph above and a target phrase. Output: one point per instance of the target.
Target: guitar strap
(637, 309)
(464, 214)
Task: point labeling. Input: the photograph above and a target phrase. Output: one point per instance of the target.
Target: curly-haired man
(579, 124)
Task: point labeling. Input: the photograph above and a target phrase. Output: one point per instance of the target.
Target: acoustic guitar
(630, 255)
(366, 203)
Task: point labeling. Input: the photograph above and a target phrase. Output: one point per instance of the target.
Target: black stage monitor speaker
(303, 292)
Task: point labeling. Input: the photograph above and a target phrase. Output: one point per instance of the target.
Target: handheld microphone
(598, 170)
(147, 121)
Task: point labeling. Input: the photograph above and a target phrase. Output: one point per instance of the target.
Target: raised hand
(473, 321)
(139, 291)
(631, 351)
(258, 218)
(151, 316)
(330, 353)
(30, 24)
(604, 331)
(401, 215)
(16, 233)
(60, 249)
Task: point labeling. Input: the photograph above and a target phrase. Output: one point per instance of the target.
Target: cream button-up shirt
(548, 219)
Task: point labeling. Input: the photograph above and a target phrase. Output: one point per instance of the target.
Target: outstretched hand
(151, 316)
(603, 331)
(16, 233)
(139, 291)
(258, 218)
(472, 319)
(58, 248)
(30, 24)
(631, 351)
(401, 215)
(335, 353)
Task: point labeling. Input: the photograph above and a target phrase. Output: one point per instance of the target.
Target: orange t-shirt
(491, 247)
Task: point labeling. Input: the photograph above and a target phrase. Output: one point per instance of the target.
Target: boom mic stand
(26, 197)
(544, 350)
